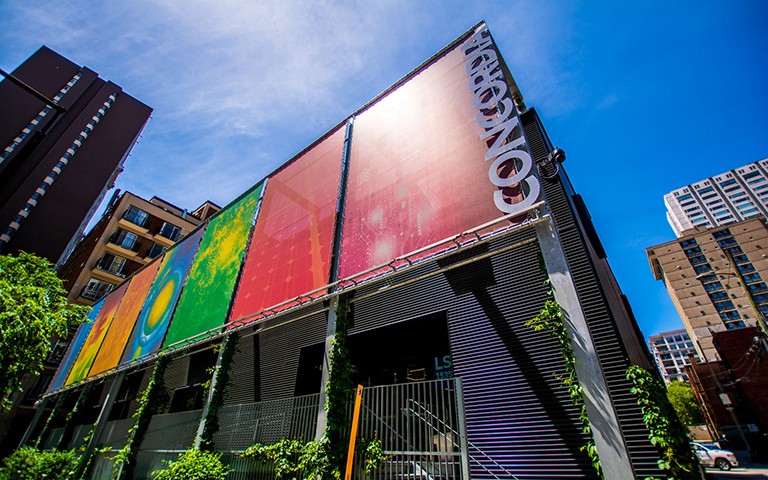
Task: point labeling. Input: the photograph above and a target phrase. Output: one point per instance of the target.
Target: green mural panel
(205, 301)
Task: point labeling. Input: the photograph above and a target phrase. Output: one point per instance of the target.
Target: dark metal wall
(518, 413)
(613, 330)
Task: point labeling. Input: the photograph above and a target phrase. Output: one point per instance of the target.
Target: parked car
(711, 457)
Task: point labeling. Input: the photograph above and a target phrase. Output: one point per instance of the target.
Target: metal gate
(420, 426)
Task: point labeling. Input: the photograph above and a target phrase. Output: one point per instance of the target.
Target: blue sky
(644, 97)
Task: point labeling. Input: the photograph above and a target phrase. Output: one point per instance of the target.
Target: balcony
(132, 227)
(105, 276)
(122, 251)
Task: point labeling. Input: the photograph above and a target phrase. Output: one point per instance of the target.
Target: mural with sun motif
(74, 347)
(205, 301)
(161, 300)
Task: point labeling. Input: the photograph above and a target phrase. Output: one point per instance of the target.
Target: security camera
(557, 155)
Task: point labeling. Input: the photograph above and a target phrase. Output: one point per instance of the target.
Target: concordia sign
(498, 118)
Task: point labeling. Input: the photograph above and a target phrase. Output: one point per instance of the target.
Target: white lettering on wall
(500, 123)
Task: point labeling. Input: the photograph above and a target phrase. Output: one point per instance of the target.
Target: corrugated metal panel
(171, 431)
(242, 388)
(176, 373)
(519, 417)
(266, 422)
(608, 343)
(279, 349)
(115, 433)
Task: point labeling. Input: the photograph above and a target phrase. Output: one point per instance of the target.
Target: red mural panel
(418, 173)
(290, 250)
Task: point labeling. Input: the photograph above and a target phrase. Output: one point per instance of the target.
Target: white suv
(713, 457)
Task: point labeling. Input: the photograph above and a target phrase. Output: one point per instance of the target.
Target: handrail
(451, 429)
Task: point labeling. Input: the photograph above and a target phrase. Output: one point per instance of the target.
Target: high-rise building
(671, 350)
(64, 136)
(732, 196)
(716, 278)
(422, 233)
(129, 235)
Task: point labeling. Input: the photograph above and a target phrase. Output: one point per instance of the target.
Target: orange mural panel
(124, 320)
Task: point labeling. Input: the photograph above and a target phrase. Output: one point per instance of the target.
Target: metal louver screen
(520, 421)
(608, 344)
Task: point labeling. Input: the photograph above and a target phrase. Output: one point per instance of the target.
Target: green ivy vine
(337, 391)
(551, 319)
(219, 380)
(152, 400)
(290, 458)
(325, 458)
(69, 426)
(666, 431)
(58, 406)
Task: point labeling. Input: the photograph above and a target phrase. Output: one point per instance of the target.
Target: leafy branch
(551, 319)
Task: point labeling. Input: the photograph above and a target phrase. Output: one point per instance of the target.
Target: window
(697, 260)
(722, 233)
(155, 250)
(125, 239)
(751, 175)
(170, 231)
(724, 242)
(746, 268)
(719, 295)
(728, 182)
(752, 277)
(705, 190)
(682, 198)
(57, 352)
(96, 289)
(136, 216)
(740, 258)
(688, 243)
(112, 264)
(726, 305)
(758, 287)
(734, 325)
(708, 278)
(711, 287)
(705, 267)
(732, 315)
(692, 251)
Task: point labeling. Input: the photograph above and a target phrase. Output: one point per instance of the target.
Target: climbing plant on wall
(666, 431)
(152, 399)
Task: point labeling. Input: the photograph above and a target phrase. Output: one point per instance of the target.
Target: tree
(681, 397)
(33, 309)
